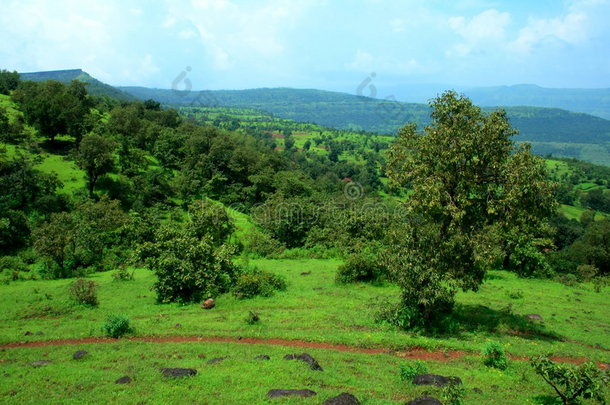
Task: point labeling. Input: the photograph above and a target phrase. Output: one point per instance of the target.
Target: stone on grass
(262, 357)
(208, 304)
(79, 354)
(342, 399)
(123, 380)
(40, 363)
(306, 358)
(278, 393)
(216, 360)
(178, 372)
(534, 317)
(424, 401)
(434, 379)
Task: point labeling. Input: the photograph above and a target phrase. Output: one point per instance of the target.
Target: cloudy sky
(327, 44)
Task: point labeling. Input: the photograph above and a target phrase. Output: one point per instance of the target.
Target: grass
(314, 308)
(373, 379)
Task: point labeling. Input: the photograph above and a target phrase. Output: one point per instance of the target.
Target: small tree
(54, 241)
(8, 81)
(571, 383)
(209, 218)
(95, 158)
(189, 269)
(465, 181)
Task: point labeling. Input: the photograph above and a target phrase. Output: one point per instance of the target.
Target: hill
(95, 87)
(345, 111)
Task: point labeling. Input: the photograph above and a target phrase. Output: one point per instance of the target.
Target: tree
(465, 181)
(95, 158)
(208, 218)
(54, 241)
(8, 81)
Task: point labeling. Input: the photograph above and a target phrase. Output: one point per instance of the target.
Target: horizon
(332, 46)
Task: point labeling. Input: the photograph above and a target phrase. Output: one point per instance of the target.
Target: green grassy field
(313, 308)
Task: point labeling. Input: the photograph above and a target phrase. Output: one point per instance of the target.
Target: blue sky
(326, 44)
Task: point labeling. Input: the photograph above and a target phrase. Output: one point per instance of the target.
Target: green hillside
(94, 87)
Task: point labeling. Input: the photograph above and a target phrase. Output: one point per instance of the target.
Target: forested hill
(94, 86)
(346, 111)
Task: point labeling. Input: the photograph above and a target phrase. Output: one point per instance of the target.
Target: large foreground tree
(471, 192)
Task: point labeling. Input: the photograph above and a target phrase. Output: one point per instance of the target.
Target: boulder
(306, 358)
(262, 357)
(123, 380)
(424, 401)
(40, 363)
(79, 354)
(342, 399)
(216, 360)
(534, 317)
(278, 393)
(178, 372)
(434, 379)
(208, 304)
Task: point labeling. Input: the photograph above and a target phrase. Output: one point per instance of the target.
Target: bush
(189, 269)
(586, 271)
(514, 294)
(84, 292)
(398, 315)
(572, 382)
(494, 356)
(117, 326)
(13, 263)
(409, 371)
(363, 266)
(261, 244)
(122, 274)
(252, 318)
(453, 393)
(599, 283)
(257, 282)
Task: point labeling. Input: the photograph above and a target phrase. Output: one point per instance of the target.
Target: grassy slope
(313, 308)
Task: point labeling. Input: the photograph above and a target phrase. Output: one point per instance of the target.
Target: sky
(338, 45)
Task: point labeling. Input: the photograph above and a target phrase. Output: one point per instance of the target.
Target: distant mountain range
(551, 130)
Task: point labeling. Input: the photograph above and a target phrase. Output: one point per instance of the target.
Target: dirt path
(415, 353)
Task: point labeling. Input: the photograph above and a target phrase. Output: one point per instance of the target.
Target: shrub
(398, 315)
(117, 326)
(572, 382)
(586, 271)
(363, 266)
(84, 292)
(122, 274)
(453, 393)
(515, 294)
(257, 282)
(409, 371)
(189, 269)
(494, 356)
(599, 283)
(261, 244)
(252, 318)
(13, 263)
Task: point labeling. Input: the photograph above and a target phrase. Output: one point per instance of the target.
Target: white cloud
(482, 32)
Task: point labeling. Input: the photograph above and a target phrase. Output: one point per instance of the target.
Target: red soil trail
(415, 353)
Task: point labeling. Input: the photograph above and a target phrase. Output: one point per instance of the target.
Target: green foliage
(122, 274)
(8, 81)
(261, 244)
(409, 371)
(212, 219)
(254, 282)
(252, 318)
(571, 383)
(84, 292)
(465, 181)
(593, 247)
(494, 356)
(188, 269)
(453, 393)
(362, 266)
(117, 326)
(95, 157)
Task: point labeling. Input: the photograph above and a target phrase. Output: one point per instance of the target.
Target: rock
(40, 333)
(123, 380)
(434, 379)
(216, 360)
(178, 372)
(306, 273)
(27, 333)
(342, 399)
(424, 401)
(534, 317)
(40, 363)
(178, 325)
(79, 354)
(208, 304)
(276, 393)
(477, 390)
(306, 358)
(262, 357)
